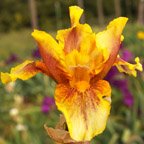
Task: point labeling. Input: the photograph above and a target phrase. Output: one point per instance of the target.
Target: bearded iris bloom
(78, 60)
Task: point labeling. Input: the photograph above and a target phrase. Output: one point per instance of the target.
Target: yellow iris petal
(86, 113)
(52, 55)
(80, 78)
(128, 68)
(109, 41)
(117, 25)
(47, 44)
(76, 58)
(74, 38)
(75, 14)
(23, 71)
(110, 38)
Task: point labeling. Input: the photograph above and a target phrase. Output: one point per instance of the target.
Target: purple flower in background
(36, 53)
(112, 75)
(47, 104)
(127, 55)
(128, 99)
(122, 85)
(12, 59)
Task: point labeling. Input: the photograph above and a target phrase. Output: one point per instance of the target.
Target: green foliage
(132, 42)
(15, 14)
(19, 42)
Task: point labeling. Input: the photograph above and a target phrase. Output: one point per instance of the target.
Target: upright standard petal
(52, 55)
(75, 14)
(86, 112)
(23, 71)
(110, 39)
(74, 37)
(128, 68)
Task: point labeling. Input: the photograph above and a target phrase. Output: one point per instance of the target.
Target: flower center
(81, 86)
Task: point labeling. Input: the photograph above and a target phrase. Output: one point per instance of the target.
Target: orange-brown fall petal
(86, 112)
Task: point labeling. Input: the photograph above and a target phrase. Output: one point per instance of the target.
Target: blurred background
(25, 106)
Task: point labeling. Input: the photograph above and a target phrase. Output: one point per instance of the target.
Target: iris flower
(78, 60)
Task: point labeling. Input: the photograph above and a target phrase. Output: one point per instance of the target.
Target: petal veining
(86, 112)
(110, 39)
(74, 37)
(23, 71)
(52, 55)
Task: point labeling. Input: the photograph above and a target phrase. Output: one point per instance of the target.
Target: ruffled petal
(86, 112)
(109, 41)
(128, 68)
(52, 55)
(75, 14)
(23, 71)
